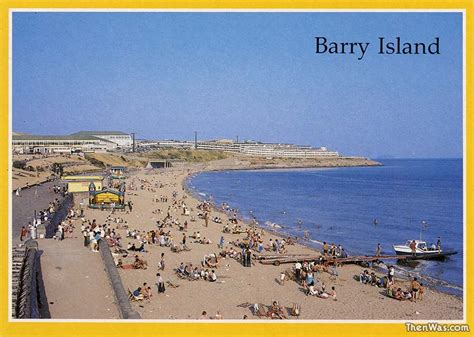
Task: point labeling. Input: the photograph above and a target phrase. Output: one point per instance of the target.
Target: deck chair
(134, 298)
(181, 275)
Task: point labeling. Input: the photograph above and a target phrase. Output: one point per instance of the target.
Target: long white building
(60, 144)
(122, 139)
(250, 148)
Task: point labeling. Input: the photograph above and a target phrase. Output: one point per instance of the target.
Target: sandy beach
(238, 287)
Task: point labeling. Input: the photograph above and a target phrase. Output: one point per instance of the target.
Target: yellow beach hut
(81, 183)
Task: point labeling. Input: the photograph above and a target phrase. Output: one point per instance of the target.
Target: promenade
(74, 279)
(23, 207)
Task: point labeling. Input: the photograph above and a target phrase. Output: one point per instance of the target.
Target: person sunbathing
(233, 253)
(290, 241)
(195, 273)
(312, 291)
(137, 294)
(187, 270)
(204, 274)
(276, 311)
(398, 294)
(139, 263)
(141, 249)
(322, 294)
(212, 276)
(364, 277)
(373, 279)
(382, 282)
(147, 293)
(208, 261)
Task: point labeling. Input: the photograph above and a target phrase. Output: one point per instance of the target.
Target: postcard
(234, 169)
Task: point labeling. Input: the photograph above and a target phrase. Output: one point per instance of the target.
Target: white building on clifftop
(122, 139)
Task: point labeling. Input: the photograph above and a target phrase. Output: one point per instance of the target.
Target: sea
(357, 207)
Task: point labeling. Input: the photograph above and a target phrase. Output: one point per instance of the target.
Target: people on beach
(333, 293)
(298, 267)
(160, 284)
(213, 276)
(161, 264)
(415, 287)
(390, 275)
(138, 294)
(23, 233)
(413, 248)
(378, 251)
(325, 248)
(240, 242)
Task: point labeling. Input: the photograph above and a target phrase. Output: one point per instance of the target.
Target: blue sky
(255, 75)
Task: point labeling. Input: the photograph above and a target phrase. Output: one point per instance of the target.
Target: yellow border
(182, 329)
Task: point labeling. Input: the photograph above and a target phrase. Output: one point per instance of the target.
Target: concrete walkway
(75, 281)
(23, 207)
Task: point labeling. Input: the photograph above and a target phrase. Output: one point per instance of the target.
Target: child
(421, 290)
(282, 278)
(333, 294)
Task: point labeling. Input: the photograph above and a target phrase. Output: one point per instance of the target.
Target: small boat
(421, 248)
(422, 251)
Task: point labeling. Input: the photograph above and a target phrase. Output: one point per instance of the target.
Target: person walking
(378, 251)
(23, 233)
(161, 265)
(160, 284)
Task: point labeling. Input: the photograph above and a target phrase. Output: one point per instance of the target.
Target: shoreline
(442, 286)
(186, 174)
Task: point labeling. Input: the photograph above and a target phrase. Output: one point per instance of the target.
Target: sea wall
(26, 303)
(121, 296)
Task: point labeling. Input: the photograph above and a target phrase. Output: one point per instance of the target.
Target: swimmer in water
(306, 235)
(376, 222)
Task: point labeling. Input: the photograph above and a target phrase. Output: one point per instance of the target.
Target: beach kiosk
(77, 184)
(117, 172)
(107, 197)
